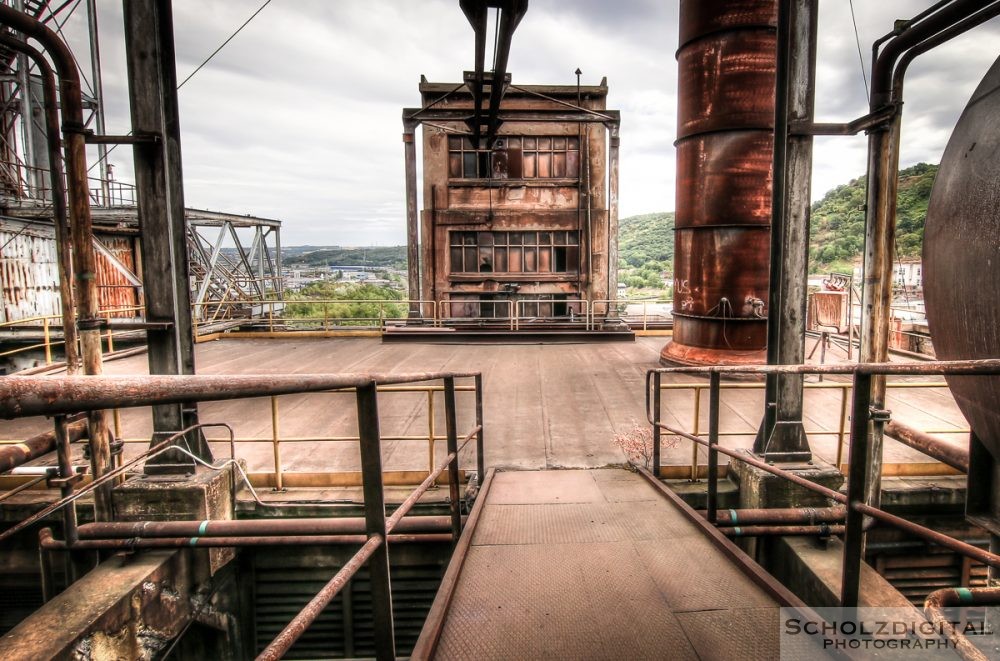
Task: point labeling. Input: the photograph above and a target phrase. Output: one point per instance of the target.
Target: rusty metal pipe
(284, 640)
(982, 366)
(12, 456)
(938, 600)
(768, 531)
(58, 190)
(947, 453)
(748, 458)
(48, 543)
(84, 260)
(917, 530)
(37, 395)
(781, 515)
(881, 202)
(104, 479)
(927, 27)
(254, 528)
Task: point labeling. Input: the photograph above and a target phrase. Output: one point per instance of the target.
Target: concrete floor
(546, 406)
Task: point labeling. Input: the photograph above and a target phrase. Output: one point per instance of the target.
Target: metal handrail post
(431, 433)
(857, 484)
(480, 445)
(841, 427)
(48, 341)
(452, 425)
(371, 478)
(713, 442)
(656, 424)
(697, 432)
(278, 479)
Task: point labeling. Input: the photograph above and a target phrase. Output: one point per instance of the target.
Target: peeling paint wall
(498, 209)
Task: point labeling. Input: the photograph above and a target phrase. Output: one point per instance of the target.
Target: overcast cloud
(298, 118)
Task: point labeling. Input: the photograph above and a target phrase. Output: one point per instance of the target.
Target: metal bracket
(881, 416)
(55, 482)
(137, 139)
(96, 323)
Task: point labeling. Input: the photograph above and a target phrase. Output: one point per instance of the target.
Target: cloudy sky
(298, 118)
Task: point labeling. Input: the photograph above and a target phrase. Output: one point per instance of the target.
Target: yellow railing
(276, 439)
(841, 432)
(47, 322)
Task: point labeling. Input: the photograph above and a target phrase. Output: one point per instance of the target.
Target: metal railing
(29, 396)
(277, 479)
(841, 431)
(51, 325)
(859, 461)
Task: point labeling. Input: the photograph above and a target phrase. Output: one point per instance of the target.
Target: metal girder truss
(235, 267)
(24, 174)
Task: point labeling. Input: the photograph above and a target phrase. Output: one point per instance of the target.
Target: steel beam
(412, 222)
(149, 42)
(378, 564)
(782, 437)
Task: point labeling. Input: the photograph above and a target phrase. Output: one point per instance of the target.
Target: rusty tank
(725, 127)
(961, 259)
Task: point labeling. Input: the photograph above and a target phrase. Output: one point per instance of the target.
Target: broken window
(515, 252)
(515, 157)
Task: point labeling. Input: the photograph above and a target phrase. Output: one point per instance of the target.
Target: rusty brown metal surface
(962, 240)
(938, 600)
(725, 120)
(47, 542)
(12, 456)
(724, 179)
(40, 395)
(947, 453)
(726, 82)
(781, 531)
(255, 527)
(115, 291)
(707, 283)
(806, 515)
(704, 17)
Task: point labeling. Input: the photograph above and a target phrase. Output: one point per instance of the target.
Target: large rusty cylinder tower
(725, 126)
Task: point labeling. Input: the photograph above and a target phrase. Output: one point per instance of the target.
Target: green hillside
(645, 250)
(383, 256)
(838, 220)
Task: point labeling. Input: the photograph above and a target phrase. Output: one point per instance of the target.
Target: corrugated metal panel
(28, 273)
(282, 590)
(116, 291)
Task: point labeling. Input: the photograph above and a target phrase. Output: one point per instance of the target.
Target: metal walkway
(597, 564)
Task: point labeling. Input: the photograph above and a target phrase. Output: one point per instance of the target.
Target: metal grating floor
(594, 564)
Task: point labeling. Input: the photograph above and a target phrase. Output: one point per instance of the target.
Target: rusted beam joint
(877, 120)
(136, 139)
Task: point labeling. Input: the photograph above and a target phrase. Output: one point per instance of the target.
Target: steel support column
(149, 42)
(378, 564)
(614, 143)
(78, 194)
(782, 437)
(412, 222)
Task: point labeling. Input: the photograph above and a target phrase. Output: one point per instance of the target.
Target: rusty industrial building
(510, 463)
(528, 222)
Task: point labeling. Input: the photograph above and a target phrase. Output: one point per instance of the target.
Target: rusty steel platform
(597, 564)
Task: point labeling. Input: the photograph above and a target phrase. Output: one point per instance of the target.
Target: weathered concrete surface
(813, 572)
(207, 494)
(120, 610)
(546, 406)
